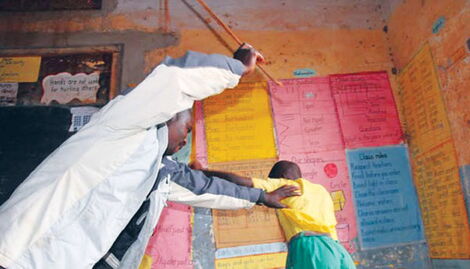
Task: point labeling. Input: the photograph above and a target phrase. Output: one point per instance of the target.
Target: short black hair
(285, 169)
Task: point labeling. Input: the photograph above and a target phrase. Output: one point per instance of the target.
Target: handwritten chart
(330, 170)
(273, 260)
(199, 147)
(304, 116)
(386, 204)
(315, 145)
(246, 227)
(366, 109)
(239, 125)
(435, 168)
(173, 229)
(19, 69)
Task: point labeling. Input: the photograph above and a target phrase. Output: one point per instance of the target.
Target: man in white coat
(73, 206)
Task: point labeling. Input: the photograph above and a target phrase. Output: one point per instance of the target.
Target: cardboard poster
(305, 116)
(173, 229)
(19, 69)
(258, 225)
(386, 204)
(239, 125)
(366, 109)
(434, 161)
(65, 87)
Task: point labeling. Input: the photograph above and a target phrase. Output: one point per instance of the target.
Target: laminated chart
(435, 168)
(309, 134)
(239, 125)
(366, 109)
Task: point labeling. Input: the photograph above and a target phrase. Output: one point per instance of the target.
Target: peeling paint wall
(445, 26)
(327, 36)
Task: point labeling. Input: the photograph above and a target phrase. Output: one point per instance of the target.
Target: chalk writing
(305, 116)
(19, 69)
(386, 204)
(366, 109)
(239, 124)
(65, 87)
(434, 159)
(8, 92)
(173, 229)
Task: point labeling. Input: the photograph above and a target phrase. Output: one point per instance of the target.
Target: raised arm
(174, 85)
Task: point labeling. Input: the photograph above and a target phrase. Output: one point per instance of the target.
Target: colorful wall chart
(19, 69)
(434, 160)
(173, 229)
(309, 134)
(239, 125)
(366, 109)
(385, 198)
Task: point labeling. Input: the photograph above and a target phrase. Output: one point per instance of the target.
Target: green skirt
(317, 252)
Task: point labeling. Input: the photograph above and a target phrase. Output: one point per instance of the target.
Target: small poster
(19, 69)
(65, 87)
(8, 92)
(81, 116)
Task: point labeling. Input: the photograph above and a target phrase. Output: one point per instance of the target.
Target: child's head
(285, 169)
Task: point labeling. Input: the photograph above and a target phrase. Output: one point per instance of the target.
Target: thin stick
(232, 34)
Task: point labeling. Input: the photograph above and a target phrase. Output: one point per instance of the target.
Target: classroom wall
(444, 26)
(329, 37)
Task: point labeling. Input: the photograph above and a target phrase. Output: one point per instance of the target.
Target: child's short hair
(285, 169)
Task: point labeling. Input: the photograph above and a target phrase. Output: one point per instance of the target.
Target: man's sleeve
(192, 187)
(270, 184)
(172, 87)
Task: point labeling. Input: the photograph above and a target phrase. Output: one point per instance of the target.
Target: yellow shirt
(312, 211)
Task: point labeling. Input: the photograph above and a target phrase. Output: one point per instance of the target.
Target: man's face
(178, 130)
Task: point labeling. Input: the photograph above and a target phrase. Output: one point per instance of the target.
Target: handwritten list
(366, 109)
(239, 125)
(386, 204)
(19, 69)
(305, 116)
(309, 134)
(258, 225)
(435, 168)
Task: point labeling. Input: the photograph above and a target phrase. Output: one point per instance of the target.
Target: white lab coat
(71, 208)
